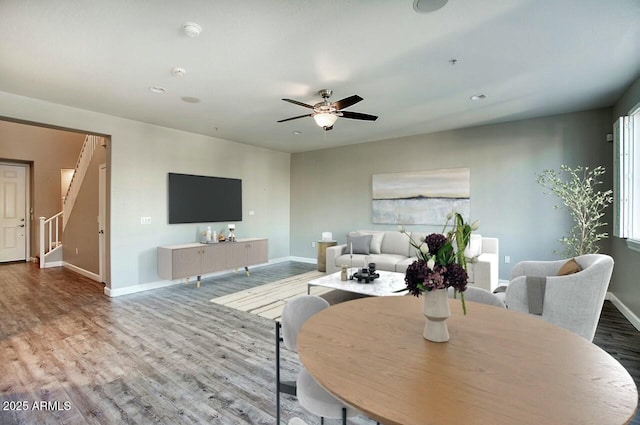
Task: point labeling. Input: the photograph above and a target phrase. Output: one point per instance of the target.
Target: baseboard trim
(52, 264)
(83, 272)
(626, 311)
(127, 290)
(304, 260)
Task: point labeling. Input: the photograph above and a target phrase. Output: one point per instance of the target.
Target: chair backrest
(480, 295)
(574, 301)
(295, 313)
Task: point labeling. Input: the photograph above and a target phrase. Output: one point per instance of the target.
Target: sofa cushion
(401, 266)
(360, 244)
(395, 243)
(387, 261)
(376, 240)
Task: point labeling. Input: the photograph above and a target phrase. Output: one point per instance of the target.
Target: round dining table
(499, 367)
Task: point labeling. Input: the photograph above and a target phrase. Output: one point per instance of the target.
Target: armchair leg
(344, 416)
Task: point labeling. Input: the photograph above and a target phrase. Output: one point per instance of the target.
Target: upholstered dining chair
(310, 394)
(573, 294)
(479, 295)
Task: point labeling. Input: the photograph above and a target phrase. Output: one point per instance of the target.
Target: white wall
(141, 155)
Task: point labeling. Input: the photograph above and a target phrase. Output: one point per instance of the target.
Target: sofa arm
(490, 246)
(485, 272)
(334, 252)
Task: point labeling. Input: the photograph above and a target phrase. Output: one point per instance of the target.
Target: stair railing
(84, 159)
(49, 235)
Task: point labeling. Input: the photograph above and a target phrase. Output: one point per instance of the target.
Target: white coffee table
(386, 285)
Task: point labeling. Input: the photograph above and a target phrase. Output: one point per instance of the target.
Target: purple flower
(456, 277)
(435, 241)
(419, 277)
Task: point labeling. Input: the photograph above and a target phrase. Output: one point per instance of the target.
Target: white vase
(436, 310)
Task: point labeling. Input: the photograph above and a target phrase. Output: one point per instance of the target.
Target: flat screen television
(204, 199)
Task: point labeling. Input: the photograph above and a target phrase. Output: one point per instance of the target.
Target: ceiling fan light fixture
(325, 119)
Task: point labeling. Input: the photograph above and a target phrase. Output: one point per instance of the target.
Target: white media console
(197, 259)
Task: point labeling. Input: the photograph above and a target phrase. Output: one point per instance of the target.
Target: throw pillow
(570, 267)
(376, 240)
(360, 244)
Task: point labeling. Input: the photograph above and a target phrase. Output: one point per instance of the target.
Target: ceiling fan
(326, 113)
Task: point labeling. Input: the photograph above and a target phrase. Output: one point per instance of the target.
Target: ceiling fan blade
(358, 116)
(295, 102)
(295, 118)
(347, 101)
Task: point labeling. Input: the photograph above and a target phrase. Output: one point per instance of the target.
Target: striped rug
(268, 300)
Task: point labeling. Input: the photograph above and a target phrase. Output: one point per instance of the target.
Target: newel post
(42, 219)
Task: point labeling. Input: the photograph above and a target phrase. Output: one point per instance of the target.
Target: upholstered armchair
(572, 301)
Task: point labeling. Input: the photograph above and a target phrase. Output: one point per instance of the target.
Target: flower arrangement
(439, 264)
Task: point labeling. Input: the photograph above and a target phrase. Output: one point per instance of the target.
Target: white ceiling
(530, 57)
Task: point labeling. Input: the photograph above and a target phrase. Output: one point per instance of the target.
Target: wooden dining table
(499, 367)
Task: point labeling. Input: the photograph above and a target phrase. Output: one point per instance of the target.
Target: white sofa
(391, 251)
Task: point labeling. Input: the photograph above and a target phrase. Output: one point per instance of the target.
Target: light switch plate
(145, 220)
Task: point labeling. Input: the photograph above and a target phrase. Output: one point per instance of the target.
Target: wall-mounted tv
(204, 199)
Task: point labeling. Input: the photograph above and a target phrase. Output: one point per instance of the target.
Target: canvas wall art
(421, 197)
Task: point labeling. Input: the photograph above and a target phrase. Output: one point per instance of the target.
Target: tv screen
(203, 199)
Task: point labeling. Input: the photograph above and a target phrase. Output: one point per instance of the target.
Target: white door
(13, 213)
(102, 211)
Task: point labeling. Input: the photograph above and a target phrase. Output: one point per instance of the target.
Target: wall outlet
(252, 213)
(145, 220)
(313, 244)
(76, 250)
(507, 259)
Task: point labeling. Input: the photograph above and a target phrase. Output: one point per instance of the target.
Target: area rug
(268, 300)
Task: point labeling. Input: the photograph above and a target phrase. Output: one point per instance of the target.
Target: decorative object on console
(232, 236)
(441, 264)
(420, 197)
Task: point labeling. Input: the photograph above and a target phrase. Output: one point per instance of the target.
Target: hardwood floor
(69, 354)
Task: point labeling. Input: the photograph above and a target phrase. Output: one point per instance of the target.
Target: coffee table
(386, 285)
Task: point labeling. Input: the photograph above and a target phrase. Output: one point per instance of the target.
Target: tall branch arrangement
(585, 203)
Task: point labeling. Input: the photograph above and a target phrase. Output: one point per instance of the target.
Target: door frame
(102, 221)
(27, 202)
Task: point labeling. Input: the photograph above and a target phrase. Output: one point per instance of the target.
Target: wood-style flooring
(70, 355)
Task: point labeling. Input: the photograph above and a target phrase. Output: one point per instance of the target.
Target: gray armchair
(572, 301)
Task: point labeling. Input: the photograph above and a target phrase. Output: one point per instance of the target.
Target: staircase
(51, 229)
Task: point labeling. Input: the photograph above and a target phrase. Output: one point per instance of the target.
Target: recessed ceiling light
(478, 96)
(191, 29)
(190, 99)
(157, 89)
(178, 72)
(426, 6)
(297, 132)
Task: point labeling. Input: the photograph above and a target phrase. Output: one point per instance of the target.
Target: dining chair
(310, 394)
(479, 295)
(573, 294)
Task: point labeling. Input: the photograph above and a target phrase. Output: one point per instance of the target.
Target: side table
(322, 253)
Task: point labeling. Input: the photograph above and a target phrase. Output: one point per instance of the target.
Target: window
(626, 190)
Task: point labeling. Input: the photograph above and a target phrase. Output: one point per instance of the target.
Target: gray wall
(331, 188)
(141, 155)
(625, 281)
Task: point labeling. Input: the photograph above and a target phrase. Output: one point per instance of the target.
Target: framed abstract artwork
(421, 197)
